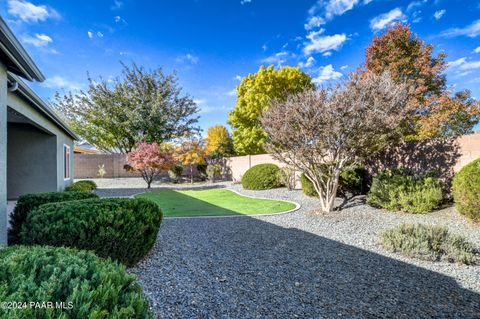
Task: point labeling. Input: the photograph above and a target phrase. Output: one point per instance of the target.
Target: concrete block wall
(87, 165)
(446, 156)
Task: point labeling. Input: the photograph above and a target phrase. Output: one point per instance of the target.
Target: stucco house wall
(32, 136)
(3, 154)
(33, 154)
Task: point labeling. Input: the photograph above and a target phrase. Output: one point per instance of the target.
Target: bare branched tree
(322, 131)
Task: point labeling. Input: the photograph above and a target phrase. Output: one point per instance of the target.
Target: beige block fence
(446, 156)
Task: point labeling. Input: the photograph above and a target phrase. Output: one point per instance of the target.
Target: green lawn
(213, 202)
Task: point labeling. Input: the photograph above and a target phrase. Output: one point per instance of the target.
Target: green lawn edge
(214, 202)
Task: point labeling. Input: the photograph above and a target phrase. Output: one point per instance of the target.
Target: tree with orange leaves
(408, 59)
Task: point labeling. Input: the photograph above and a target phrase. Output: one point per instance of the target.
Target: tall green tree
(254, 95)
(408, 59)
(218, 142)
(140, 106)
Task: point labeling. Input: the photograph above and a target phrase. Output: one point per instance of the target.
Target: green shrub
(398, 190)
(213, 171)
(307, 186)
(89, 287)
(81, 186)
(28, 202)
(120, 228)
(262, 176)
(352, 180)
(175, 173)
(466, 190)
(429, 243)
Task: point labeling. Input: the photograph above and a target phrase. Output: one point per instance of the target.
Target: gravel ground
(302, 265)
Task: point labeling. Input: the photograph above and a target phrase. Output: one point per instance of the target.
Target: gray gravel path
(302, 265)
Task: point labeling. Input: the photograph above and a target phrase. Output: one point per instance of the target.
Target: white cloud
(319, 43)
(28, 12)
(339, 7)
(467, 66)
(40, 40)
(264, 47)
(328, 53)
(470, 31)
(332, 8)
(439, 14)
(383, 20)
(415, 4)
(278, 58)
(477, 50)
(309, 63)
(99, 34)
(343, 67)
(457, 62)
(242, 2)
(326, 73)
(463, 67)
(117, 4)
(58, 82)
(415, 16)
(190, 58)
(200, 101)
(237, 77)
(314, 22)
(90, 34)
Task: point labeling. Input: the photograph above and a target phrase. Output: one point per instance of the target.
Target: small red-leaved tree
(150, 160)
(322, 131)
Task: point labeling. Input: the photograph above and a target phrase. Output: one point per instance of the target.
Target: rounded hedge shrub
(400, 191)
(120, 228)
(28, 202)
(466, 190)
(429, 242)
(81, 186)
(307, 186)
(262, 176)
(88, 286)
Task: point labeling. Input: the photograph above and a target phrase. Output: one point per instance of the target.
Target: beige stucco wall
(426, 156)
(87, 165)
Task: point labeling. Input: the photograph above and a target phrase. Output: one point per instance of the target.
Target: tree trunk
(191, 174)
(327, 191)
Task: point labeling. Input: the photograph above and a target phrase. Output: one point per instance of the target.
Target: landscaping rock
(304, 265)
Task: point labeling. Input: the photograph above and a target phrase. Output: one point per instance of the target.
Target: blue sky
(211, 44)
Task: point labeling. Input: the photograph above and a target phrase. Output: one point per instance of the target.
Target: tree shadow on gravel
(248, 268)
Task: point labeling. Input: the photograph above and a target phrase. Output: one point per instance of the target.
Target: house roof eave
(19, 62)
(28, 94)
